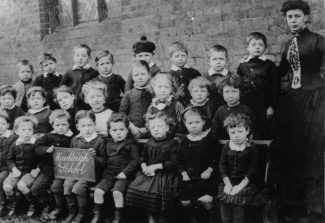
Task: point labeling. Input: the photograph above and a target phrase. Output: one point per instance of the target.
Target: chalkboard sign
(71, 163)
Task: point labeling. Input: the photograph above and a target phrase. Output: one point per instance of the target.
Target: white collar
(236, 147)
(12, 107)
(88, 139)
(55, 73)
(107, 75)
(7, 134)
(262, 57)
(224, 72)
(31, 141)
(69, 133)
(197, 138)
(141, 88)
(197, 104)
(151, 64)
(176, 68)
(86, 67)
(34, 111)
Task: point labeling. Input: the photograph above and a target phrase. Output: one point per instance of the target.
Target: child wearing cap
(143, 50)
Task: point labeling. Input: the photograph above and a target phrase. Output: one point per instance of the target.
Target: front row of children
(188, 171)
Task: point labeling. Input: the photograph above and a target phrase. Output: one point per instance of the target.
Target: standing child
(59, 137)
(7, 100)
(182, 73)
(95, 94)
(197, 164)
(22, 163)
(122, 158)
(155, 188)
(80, 73)
(136, 102)
(114, 82)
(261, 85)
(238, 168)
(7, 138)
(77, 191)
(218, 57)
(164, 89)
(25, 72)
(50, 79)
(68, 101)
(231, 89)
(36, 97)
(143, 50)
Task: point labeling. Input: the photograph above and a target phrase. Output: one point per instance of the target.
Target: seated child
(59, 137)
(238, 169)
(95, 94)
(50, 79)
(155, 187)
(136, 102)
(77, 191)
(230, 87)
(68, 101)
(197, 164)
(218, 57)
(261, 85)
(182, 73)
(25, 72)
(7, 100)
(114, 82)
(36, 97)
(122, 159)
(23, 164)
(143, 50)
(80, 73)
(7, 138)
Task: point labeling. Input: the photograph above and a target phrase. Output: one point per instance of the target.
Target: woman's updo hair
(294, 5)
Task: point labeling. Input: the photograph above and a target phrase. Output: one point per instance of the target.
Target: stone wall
(198, 23)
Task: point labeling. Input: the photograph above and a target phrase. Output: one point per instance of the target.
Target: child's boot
(2, 208)
(32, 204)
(82, 203)
(98, 214)
(118, 215)
(12, 206)
(72, 203)
(59, 201)
(43, 200)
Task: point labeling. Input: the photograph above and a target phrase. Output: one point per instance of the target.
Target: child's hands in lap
(185, 176)
(121, 176)
(92, 151)
(236, 189)
(227, 189)
(150, 171)
(206, 175)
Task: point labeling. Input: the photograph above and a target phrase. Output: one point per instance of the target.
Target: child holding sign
(59, 137)
(77, 191)
(121, 161)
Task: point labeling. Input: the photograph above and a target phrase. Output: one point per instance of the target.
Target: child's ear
(77, 126)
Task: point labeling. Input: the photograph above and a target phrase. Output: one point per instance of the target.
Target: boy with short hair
(182, 73)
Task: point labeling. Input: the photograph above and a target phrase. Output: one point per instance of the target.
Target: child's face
(238, 134)
(256, 47)
(104, 65)
(146, 56)
(96, 99)
(194, 124)
(4, 125)
(36, 101)
(199, 94)
(7, 100)
(158, 128)
(61, 126)
(118, 131)
(179, 58)
(140, 76)
(65, 100)
(25, 131)
(80, 57)
(162, 89)
(218, 60)
(24, 73)
(49, 66)
(86, 126)
(231, 95)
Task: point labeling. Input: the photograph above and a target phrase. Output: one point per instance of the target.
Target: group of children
(181, 112)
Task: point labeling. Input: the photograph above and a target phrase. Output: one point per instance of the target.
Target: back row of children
(173, 103)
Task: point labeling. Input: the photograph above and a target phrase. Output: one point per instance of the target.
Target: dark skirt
(248, 196)
(299, 144)
(155, 194)
(194, 189)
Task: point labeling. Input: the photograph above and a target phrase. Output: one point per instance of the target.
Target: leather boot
(98, 214)
(59, 201)
(12, 206)
(82, 213)
(72, 207)
(32, 204)
(118, 215)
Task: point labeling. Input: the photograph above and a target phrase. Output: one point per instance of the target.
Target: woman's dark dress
(299, 128)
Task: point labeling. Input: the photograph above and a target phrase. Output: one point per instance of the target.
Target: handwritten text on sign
(71, 163)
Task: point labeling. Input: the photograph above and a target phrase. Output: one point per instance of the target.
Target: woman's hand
(135, 131)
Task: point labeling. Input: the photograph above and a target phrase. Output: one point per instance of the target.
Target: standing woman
(299, 126)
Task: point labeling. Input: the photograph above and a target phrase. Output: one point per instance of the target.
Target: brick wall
(198, 23)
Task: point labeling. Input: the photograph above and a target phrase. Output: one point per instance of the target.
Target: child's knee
(7, 188)
(22, 187)
(186, 203)
(98, 194)
(117, 195)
